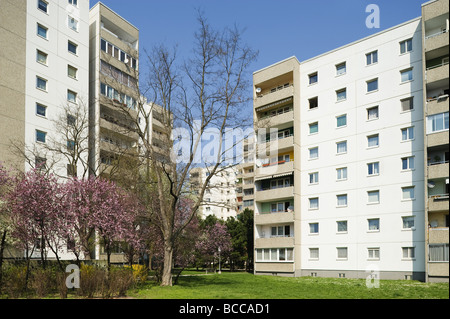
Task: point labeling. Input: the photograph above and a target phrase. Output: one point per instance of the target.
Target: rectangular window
(71, 96)
(314, 152)
(314, 203)
(341, 147)
(437, 122)
(341, 95)
(407, 133)
(313, 103)
(342, 252)
(341, 200)
(373, 140)
(372, 58)
(438, 252)
(373, 253)
(314, 253)
(41, 83)
(408, 252)
(341, 226)
(406, 75)
(41, 57)
(41, 136)
(373, 168)
(372, 85)
(341, 173)
(72, 72)
(408, 222)
(406, 46)
(73, 2)
(103, 45)
(314, 178)
(314, 228)
(41, 110)
(341, 120)
(313, 128)
(374, 224)
(372, 113)
(313, 78)
(407, 104)
(373, 197)
(408, 193)
(72, 23)
(72, 47)
(43, 5)
(42, 31)
(341, 68)
(407, 163)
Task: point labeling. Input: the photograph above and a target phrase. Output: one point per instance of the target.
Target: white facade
(51, 24)
(363, 181)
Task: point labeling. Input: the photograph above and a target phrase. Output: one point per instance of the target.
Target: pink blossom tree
(5, 184)
(213, 238)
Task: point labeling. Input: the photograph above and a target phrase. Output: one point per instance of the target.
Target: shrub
(92, 280)
(140, 273)
(120, 279)
(14, 279)
(42, 282)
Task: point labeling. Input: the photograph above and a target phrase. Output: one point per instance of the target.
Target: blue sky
(278, 29)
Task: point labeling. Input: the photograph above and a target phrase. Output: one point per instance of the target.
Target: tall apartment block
(113, 90)
(339, 171)
(435, 59)
(245, 184)
(44, 65)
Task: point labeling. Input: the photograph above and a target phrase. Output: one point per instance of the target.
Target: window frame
(375, 169)
(409, 72)
(375, 191)
(312, 76)
(371, 55)
(337, 147)
(340, 171)
(339, 97)
(44, 28)
(38, 79)
(373, 227)
(75, 94)
(337, 68)
(41, 53)
(342, 116)
(40, 136)
(44, 107)
(74, 45)
(406, 46)
(371, 138)
(368, 82)
(71, 67)
(46, 5)
(341, 196)
(369, 109)
(413, 188)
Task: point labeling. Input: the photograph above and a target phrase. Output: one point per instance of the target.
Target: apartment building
(219, 198)
(339, 165)
(113, 91)
(435, 59)
(245, 184)
(45, 48)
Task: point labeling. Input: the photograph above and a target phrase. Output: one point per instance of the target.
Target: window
(373, 253)
(71, 96)
(341, 226)
(341, 200)
(437, 122)
(406, 46)
(406, 75)
(374, 224)
(72, 23)
(71, 120)
(372, 113)
(314, 228)
(314, 253)
(408, 222)
(372, 85)
(314, 153)
(40, 162)
(373, 140)
(275, 254)
(314, 128)
(42, 31)
(72, 47)
(342, 252)
(103, 45)
(341, 147)
(408, 252)
(70, 145)
(341, 120)
(314, 203)
(41, 83)
(41, 57)
(407, 163)
(372, 58)
(41, 110)
(438, 252)
(313, 78)
(72, 72)
(43, 5)
(341, 95)
(73, 2)
(341, 68)
(314, 178)
(407, 133)
(407, 104)
(373, 197)
(408, 193)
(40, 136)
(373, 168)
(313, 103)
(341, 173)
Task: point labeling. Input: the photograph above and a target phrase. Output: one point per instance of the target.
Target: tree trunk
(167, 269)
(2, 247)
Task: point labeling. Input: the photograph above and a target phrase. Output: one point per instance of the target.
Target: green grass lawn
(247, 286)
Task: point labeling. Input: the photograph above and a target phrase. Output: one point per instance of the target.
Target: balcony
(438, 235)
(437, 73)
(274, 242)
(437, 104)
(275, 97)
(436, 41)
(437, 139)
(274, 218)
(438, 203)
(280, 144)
(118, 127)
(281, 167)
(275, 120)
(438, 170)
(274, 194)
